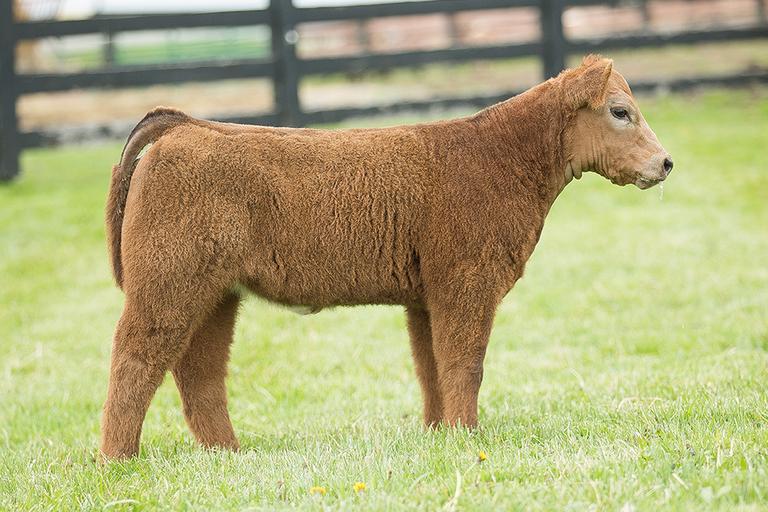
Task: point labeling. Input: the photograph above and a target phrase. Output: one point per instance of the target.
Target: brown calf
(438, 217)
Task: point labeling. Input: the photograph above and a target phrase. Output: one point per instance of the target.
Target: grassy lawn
(626, 371)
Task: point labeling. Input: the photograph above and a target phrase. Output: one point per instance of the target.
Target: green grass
(626, 371)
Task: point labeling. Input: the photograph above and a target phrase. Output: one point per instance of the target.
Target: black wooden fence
(286, 69)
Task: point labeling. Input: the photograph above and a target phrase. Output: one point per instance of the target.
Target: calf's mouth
(645, 183)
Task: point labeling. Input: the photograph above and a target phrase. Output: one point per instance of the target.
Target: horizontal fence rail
(286, 69)
(133, 76)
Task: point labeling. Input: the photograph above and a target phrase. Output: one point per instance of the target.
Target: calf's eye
(620, 113)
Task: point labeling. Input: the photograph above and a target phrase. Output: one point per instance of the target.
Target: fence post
(645, 10)
(109, 49)
(286, 77)
(9, 136)
(363, 38)
(553, 37)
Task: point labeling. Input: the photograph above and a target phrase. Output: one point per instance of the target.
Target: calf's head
(605, 132)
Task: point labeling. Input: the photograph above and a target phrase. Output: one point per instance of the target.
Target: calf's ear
(587, 85)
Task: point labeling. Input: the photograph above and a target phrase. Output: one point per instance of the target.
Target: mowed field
(628, 370)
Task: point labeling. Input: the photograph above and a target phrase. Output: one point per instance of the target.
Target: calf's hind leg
(148, 341)
(200, 376)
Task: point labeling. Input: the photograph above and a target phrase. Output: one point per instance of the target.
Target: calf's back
(303, 217)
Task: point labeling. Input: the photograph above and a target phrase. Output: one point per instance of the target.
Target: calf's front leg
(426, 369)
(460, 337)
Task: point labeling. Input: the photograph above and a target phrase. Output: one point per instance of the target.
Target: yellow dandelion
(317, 489)
(481, 456)
(359, 486)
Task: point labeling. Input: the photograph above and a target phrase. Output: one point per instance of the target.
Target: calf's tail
(156, 123)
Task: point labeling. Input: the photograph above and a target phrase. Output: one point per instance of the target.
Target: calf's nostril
(668, 165)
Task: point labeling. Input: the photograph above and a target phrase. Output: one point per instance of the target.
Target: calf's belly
(321, 278)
